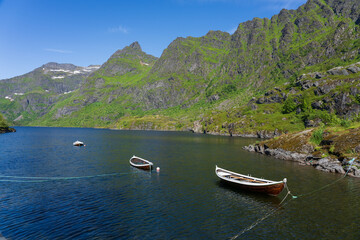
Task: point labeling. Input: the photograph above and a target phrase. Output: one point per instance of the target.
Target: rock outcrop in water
(333, 153)
(4, 128)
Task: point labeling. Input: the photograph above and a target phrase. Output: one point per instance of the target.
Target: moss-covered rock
(4, 128)
(332, 154)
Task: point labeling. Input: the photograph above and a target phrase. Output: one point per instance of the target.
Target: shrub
(228, 89)
(317, 135)
(345, 123)
(306, 104)
(289, 105)
(357, 98)
(326, 118)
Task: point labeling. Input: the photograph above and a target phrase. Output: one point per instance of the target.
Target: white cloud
(120, 29)
(57, 50)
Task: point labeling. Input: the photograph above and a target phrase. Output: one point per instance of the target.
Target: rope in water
(327, 185)
(283, 203)
(5, 178)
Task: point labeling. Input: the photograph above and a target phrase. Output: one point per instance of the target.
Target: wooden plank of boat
(141, 163)
(251, 183)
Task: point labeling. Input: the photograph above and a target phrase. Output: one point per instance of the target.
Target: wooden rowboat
(251, 183)
(78, 143)
(141, 163)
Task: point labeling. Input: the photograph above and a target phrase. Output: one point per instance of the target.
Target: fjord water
(184, 201)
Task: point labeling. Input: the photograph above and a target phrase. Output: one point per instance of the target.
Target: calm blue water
(184, 201)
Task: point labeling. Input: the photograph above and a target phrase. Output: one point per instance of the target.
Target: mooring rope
(327, 185)
(293, 197)
(281, 204)
(5, 178)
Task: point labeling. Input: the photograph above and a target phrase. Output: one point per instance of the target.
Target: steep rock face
(263, 52)
(294, 40)
(125, 60)
(129, 60)
(112, 85)
(197, 56)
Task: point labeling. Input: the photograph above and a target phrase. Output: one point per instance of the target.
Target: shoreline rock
(325, 164)
(7, 130)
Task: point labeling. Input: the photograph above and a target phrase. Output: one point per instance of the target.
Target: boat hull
(272, 190)
(141, 163)
(147, 167)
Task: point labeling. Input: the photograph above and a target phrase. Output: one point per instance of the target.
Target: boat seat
(246, 179)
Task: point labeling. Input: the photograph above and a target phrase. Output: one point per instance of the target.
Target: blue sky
(84, 32)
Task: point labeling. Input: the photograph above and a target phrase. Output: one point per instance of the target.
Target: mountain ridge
(32, 94)
(205, 83)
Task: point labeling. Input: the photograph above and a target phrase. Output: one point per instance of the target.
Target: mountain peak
(132, 49)
(54, 65)
(135, 45)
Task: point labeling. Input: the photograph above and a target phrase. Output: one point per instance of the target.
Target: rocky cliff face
(263, 52)
(126, 60)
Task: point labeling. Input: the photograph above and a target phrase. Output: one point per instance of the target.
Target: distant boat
(251, 183)
(141, 163)
(78, 143)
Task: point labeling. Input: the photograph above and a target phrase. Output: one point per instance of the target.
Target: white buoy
(157, 169)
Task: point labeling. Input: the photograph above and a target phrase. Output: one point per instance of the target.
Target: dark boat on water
(141, 163)
(251, 183)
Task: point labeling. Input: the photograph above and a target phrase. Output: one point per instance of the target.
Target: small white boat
(78, 143)
(141, 163)
(251, 183)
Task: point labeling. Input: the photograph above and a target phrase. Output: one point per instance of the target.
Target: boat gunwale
(147, 163)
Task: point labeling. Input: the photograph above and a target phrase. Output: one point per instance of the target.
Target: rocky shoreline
(7, 130)
(296, 147)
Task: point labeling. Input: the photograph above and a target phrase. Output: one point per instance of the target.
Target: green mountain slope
(25, 98)
(107, 95)
(219, 83)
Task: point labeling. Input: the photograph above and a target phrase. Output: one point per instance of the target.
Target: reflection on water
(185, 200)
